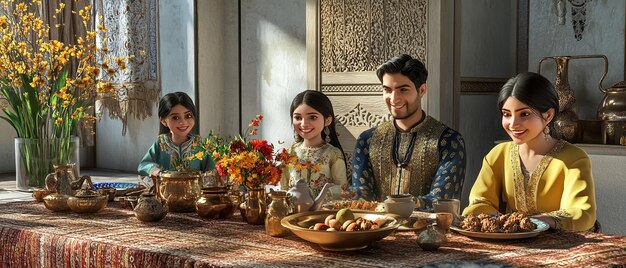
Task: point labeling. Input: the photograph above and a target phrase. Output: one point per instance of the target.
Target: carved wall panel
(356, 113)
(359, 35)
(356, 36)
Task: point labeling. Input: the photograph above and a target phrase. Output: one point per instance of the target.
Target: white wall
(176, 46)
(273, 58)
(7, 147)
(218, 66)
(604, 34)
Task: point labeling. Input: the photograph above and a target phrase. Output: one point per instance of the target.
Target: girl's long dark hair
(168, 102)
(320, 102)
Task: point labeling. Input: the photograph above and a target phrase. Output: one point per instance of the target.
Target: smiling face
(180, 121)
(309, 124)
(402, 98)
(522, 123)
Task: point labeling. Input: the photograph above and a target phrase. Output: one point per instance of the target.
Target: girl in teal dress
(175, 144)
(313, 122)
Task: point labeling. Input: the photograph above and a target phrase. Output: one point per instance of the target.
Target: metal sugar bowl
(181, 189)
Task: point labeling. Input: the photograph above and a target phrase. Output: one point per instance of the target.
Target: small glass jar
(278, 209)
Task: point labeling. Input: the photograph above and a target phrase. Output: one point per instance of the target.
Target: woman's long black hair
(535, 91)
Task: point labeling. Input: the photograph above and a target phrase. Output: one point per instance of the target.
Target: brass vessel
(612, 111)
(566, 125)
(215, 203)
(65, 180)
(277, 210)
(254, 206)
(87, 201)
(39, 194)
(340, 240)
(180, 189)
(613, 105)
(149, 208)
(56, 202)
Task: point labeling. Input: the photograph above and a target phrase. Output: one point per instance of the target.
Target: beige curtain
(131, 31)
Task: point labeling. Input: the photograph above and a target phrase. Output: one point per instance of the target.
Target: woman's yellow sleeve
(578, 202)
(485, 194)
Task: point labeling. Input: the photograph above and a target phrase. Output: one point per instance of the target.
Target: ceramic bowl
(339, 240)
(121, 188)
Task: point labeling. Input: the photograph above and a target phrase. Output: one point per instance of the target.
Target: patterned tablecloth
(32, 236)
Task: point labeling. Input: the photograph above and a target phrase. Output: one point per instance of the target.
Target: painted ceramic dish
(121, 187)
(541, 226)
(116, 185)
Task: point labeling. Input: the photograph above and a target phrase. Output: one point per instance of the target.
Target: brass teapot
(613, 105)
(612, 111)
(181, 189)
(62, 184)
(65, 179)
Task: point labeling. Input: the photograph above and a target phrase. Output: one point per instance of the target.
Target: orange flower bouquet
(249, 163)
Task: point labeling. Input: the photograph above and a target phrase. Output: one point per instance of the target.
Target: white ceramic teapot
(302, 199)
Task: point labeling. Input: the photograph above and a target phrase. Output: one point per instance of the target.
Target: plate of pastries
(354, 204)
(514, 225)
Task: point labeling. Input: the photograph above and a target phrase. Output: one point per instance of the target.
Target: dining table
(33, 236)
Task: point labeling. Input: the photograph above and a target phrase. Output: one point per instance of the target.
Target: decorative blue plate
(116, 185)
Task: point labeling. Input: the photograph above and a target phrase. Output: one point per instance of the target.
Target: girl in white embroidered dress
(313, 122)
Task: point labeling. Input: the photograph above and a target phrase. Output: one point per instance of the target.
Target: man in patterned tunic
(413, 153)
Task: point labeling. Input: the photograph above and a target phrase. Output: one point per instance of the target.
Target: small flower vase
(254, 210)
(34, 159)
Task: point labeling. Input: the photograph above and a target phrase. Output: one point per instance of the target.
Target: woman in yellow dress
(535, 173)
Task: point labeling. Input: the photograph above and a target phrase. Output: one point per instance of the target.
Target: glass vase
(34, 159)
(255, 206)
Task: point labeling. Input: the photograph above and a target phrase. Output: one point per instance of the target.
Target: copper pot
(613, 105)
(215, 203)
(181, 189)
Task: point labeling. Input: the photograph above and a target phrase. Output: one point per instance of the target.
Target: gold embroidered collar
(526, 200)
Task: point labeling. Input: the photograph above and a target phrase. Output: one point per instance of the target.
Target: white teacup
(402, 204)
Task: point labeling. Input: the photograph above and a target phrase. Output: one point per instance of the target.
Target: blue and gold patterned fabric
(166, 155)
(434, 155)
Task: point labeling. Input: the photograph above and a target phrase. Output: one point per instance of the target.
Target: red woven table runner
(32, 236)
